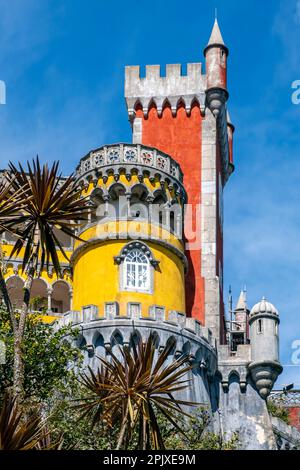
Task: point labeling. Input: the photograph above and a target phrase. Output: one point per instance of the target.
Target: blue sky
(63, 64)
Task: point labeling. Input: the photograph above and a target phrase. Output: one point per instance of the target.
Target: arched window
(137, 266)
(136, 271)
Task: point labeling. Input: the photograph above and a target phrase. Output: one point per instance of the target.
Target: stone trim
(128, 156)
(216, 102)
(119, 236)
(16, 262)
(136, 244)
(209, 224)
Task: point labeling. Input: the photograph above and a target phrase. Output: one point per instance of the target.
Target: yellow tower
(131, 261)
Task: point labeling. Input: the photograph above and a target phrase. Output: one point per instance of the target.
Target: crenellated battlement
(174, 89)
(172, 320)
(173, 71)
(113, 330)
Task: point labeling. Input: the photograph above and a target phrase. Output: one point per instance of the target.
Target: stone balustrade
(129, 156)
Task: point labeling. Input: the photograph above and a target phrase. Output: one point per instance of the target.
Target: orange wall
(180, 137)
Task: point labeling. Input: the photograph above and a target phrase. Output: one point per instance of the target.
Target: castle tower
(186, 117)
(265, 366)
(129, 265)
(132, 261)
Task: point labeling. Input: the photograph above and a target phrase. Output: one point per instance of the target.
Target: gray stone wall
(220, 380)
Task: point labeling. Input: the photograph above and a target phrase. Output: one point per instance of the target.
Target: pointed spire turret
(216, 36)
(216, 54)
(241, 303)
(216, 39)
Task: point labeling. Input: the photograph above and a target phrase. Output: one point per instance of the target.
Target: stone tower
(264, 332)
(186, 116)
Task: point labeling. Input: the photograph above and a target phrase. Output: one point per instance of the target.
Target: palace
(151, 255)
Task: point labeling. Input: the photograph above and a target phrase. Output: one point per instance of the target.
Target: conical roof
(216, 38)
(241, 303)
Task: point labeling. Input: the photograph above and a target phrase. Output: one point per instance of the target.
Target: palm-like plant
(8, 211)
(21, 432)
(132, 390)
(33, 204)
(51, 202)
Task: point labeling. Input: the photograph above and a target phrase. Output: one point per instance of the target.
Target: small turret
(265, 366)
(216, 54)
(240, 323)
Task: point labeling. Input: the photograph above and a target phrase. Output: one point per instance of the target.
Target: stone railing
(131, 156)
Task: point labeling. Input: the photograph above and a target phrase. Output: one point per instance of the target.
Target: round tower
(131, 260)
(216, 54)
(265, 366)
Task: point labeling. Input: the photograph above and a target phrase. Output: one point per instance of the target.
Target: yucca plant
(132, 390)
(23, 432)
(33, 203)
(8, 206)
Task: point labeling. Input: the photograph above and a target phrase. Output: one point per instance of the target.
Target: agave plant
(133, 389)
(33, 204)
(21, 432)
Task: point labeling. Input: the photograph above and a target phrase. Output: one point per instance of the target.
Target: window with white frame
(136, 271)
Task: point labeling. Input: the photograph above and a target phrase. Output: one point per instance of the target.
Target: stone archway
(38, 295)
(15, 286)
(60, 297)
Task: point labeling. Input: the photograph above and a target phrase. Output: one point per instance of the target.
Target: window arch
(136, 271)
(137, 264)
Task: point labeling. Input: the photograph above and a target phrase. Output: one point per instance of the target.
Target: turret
(239, 329)
(216, 54)
(265, 366)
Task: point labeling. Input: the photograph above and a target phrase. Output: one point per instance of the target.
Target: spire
(216, 38)
(241, 303)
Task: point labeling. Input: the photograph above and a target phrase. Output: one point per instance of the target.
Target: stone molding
(139, 245)
(264, 375)
(129, 157)
(122, 236)
(17, 264)
(216, 102)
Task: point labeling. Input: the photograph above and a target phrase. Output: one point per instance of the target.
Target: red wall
(294, 416)
(180, 137)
